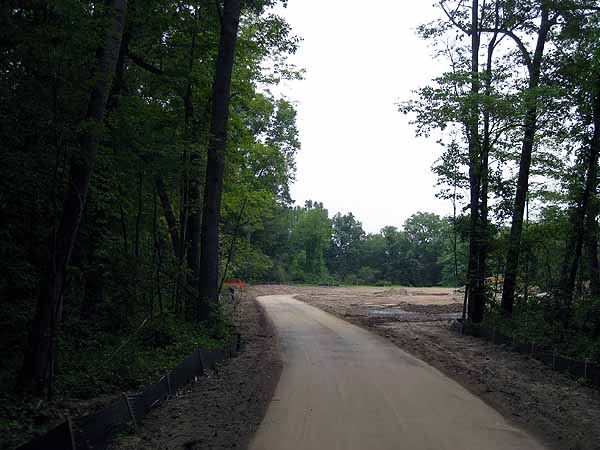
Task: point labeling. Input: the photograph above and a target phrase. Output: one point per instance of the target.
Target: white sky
(358, 152)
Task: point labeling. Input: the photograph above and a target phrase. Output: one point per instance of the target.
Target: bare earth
(559, 410)
(343, 388)
(222, 410)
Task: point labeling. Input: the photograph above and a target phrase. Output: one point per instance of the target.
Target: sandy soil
(554, 407)
(223, 410)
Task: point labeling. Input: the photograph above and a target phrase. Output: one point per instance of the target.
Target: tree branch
(518, 41)
(452, 20)
(139, 61)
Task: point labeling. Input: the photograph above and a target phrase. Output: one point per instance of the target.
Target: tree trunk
(184, 182)
(158, 246)
(475, 283)
(138, 218)
(591, 225)
(169, 215)
(478, 294)
(592, 240)
(455, 239)
(530, 127)
(193, 229)
(119, 84)
(123, 227)
(37, 369)
(578, 232)
(211, 212)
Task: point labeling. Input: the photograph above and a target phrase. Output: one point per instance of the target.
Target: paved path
(345, 388)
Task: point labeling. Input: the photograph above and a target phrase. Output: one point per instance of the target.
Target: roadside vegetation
(138, 138)
(145, 159)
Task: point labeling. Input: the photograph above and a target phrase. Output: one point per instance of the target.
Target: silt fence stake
(71, 433)
(168, 376)
(585, 375)
(130, 409)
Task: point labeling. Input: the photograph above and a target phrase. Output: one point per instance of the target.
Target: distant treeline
(304, 244)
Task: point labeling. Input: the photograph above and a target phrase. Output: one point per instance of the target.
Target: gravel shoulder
(224, 409)
(559, 410)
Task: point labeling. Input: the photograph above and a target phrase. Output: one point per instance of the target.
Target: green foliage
(534, 320)
(311, 235)
(104, 363)
(130, 294)
(303, 245)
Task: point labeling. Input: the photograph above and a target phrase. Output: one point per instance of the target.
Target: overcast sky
(358, 152)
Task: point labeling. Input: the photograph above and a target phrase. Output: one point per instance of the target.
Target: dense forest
(146, 158)
(138, 140)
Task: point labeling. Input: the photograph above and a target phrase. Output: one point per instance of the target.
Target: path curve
(345, 388)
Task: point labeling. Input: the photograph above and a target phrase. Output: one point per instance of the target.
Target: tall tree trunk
(478, 294)
(530, 127)
(185, 177)
(476, 300)
(37, 369)
(119, 84)
(211, 212)
(193, 229)
(123, 226)
(578, 232)
(138, 218)
(591, 227)
(169, 215)
(455, 238)
(158, 246)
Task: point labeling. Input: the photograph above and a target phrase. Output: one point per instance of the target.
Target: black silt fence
(549, 356)
(94, 431)
(60, 437)
(187, 371)
(97, 428)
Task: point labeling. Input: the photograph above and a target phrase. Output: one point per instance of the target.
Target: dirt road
(345, 388)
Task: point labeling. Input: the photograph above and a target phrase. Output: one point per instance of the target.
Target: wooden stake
(168, 376)
(71, 433)
(130, 409)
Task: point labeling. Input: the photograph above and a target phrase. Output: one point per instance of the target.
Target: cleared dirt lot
(558, 409)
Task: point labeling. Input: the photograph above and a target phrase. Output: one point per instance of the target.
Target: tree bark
(169, 215)
(138, 217)
(530, 127)
(476, 294)
(592, 240)
(591, 225)
(37, 369)
(123, 227)
(578, 232)
(193, 229)
(209, 247)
